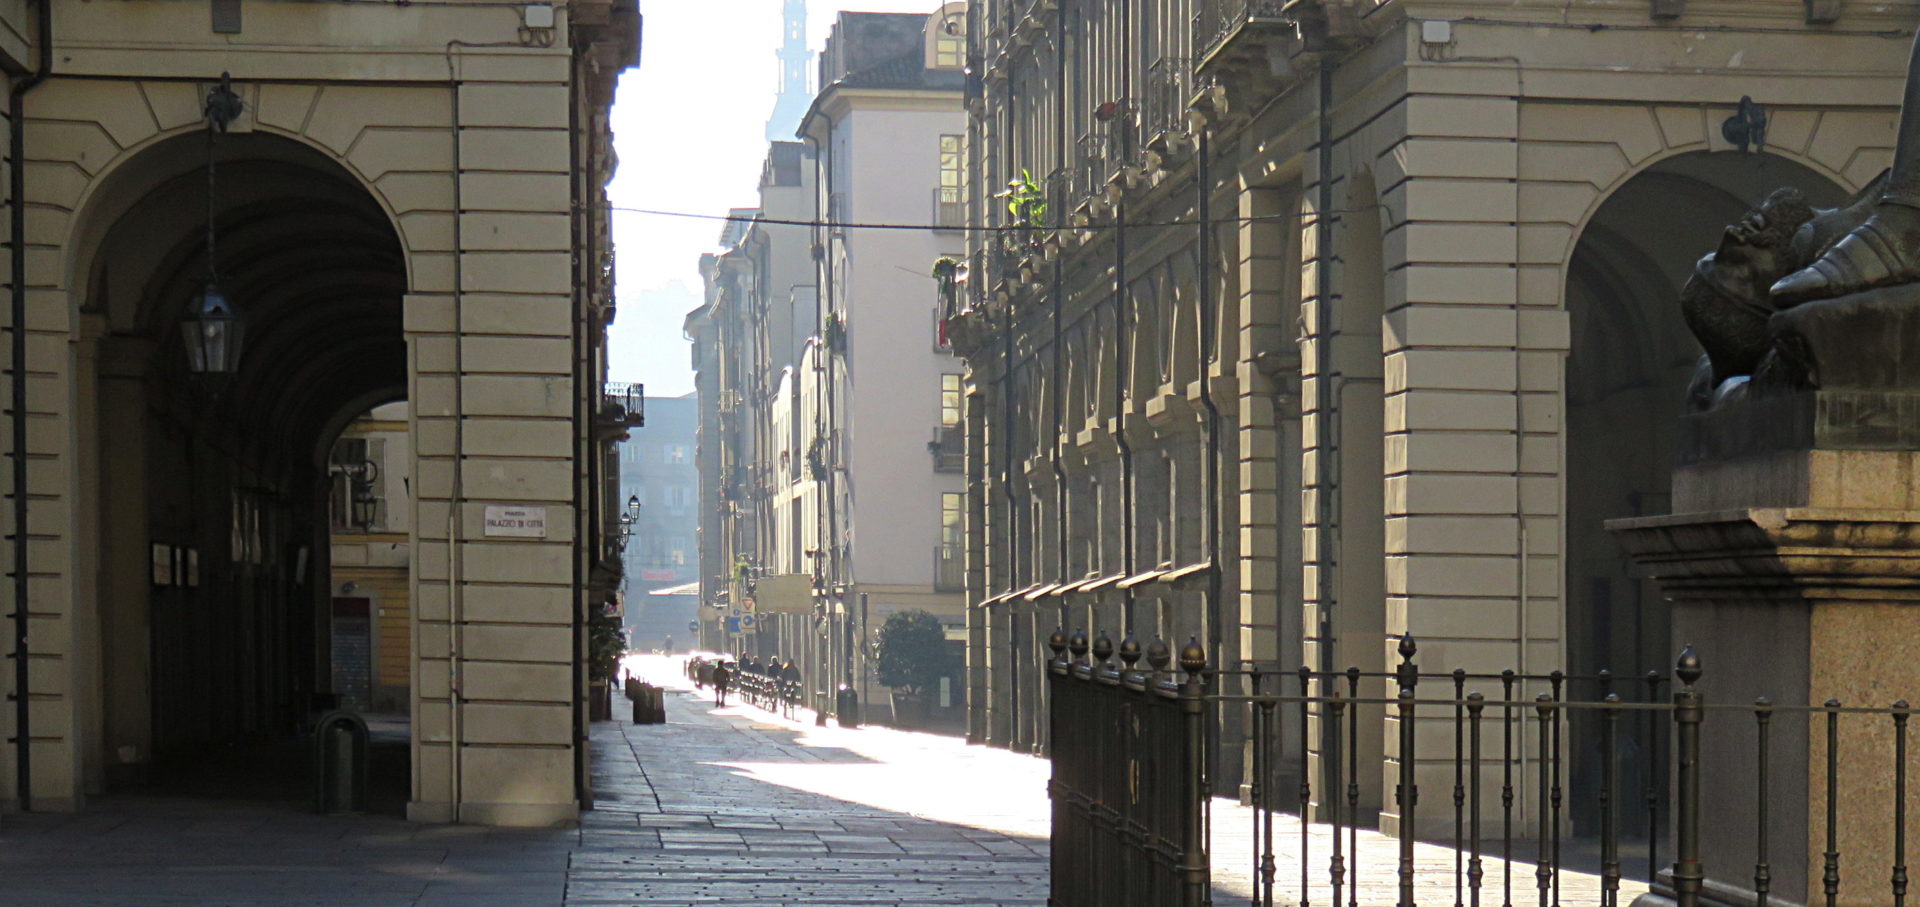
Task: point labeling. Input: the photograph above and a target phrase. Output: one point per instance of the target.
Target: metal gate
(1129, 786)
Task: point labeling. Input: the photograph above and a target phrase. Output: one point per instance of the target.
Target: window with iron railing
(1166, 96)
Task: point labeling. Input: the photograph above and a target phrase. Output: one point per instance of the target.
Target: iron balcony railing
(949, 568)
(631, 400)
(1167, 93)
(948, 449)
(1093, 161)
(1217, 22)
(949, 208)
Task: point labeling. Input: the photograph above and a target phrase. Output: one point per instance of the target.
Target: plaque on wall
(516, 521)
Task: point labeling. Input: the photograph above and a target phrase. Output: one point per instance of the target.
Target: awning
(692, 588)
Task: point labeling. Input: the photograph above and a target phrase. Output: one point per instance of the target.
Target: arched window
(947, 37)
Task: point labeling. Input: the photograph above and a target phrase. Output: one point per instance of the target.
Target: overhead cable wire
(1306, 219)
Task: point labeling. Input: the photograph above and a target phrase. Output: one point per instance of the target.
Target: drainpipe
(1121, 363)
(1008, 420)
(586, 520)
(17, 248)
(1059, 301)
(1210, 468)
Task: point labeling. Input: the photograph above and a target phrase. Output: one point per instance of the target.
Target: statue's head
(1763, 238)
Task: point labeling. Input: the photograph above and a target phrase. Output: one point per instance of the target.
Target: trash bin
(340, 763)
(847, 706)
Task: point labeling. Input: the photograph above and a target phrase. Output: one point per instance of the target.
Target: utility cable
(1306, 219)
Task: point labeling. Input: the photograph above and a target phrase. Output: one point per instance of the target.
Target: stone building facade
(1349, 320)
(844, 479)
(660, 488)
(407, 204)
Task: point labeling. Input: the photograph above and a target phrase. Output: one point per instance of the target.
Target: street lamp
(212, 331)
(633, 503)
(212, 328)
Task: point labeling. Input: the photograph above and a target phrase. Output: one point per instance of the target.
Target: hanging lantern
(365, 508)
(212, 331)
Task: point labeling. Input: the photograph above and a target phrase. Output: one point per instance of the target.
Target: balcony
(949, 568)
(949, 449)
(949, 209)
(623, 406)
(1232, 28)
(1167, 92)
(1093, 162)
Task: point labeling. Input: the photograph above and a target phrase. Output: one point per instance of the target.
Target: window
(947, 209)
(676, 453)
(949, 400)
(951, 519)
(948, 33)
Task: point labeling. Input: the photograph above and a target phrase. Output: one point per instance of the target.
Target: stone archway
(1630, 361)
(210, 506)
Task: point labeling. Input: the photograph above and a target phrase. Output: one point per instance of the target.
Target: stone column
(1793, 563)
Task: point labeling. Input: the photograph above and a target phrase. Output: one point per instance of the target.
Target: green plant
(913, 653)
(817, 459)
(835, 334)
(1026, 200)
(606, 642)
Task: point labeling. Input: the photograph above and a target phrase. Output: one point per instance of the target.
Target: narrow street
(735, 806)
(726, 805)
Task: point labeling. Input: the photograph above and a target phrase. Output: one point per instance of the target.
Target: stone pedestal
(1793, 564)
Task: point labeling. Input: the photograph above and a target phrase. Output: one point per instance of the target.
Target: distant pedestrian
(721, 677)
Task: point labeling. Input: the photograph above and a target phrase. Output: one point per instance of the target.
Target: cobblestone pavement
(730, 806)
(738, 806)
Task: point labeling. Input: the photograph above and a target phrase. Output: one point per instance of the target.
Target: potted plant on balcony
(912, 656)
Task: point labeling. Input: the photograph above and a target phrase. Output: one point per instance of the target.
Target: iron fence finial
(1057, 641)
(1102, 647)
(1078, 643)
(1130, 650)
(1158, 655)
(1688, 668)
(1193, 658)
(1408, 648)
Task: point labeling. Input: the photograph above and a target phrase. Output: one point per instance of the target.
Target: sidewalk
(732, 806)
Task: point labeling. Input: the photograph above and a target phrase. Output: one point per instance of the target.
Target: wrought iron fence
(1130, 787)
(1128, 792)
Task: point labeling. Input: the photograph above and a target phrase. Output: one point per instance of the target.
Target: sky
(689, 126)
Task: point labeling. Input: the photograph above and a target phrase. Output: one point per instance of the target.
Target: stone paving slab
(720, 806)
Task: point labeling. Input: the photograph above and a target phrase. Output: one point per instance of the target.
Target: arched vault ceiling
(308, 259)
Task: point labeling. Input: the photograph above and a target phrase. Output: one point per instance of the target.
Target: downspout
(1122, 363)
(1008, 421)
(456, 600)
(1210, 468)
(17, 248)
(584, 431)
(1326, 416)
(1059, 302)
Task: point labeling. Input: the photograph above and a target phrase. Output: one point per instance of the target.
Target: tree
(913, 653)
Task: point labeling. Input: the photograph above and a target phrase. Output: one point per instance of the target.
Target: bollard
(847, 706)
(340, 763)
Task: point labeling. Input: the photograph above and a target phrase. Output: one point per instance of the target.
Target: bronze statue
(1797, 298)
(1732, 296)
